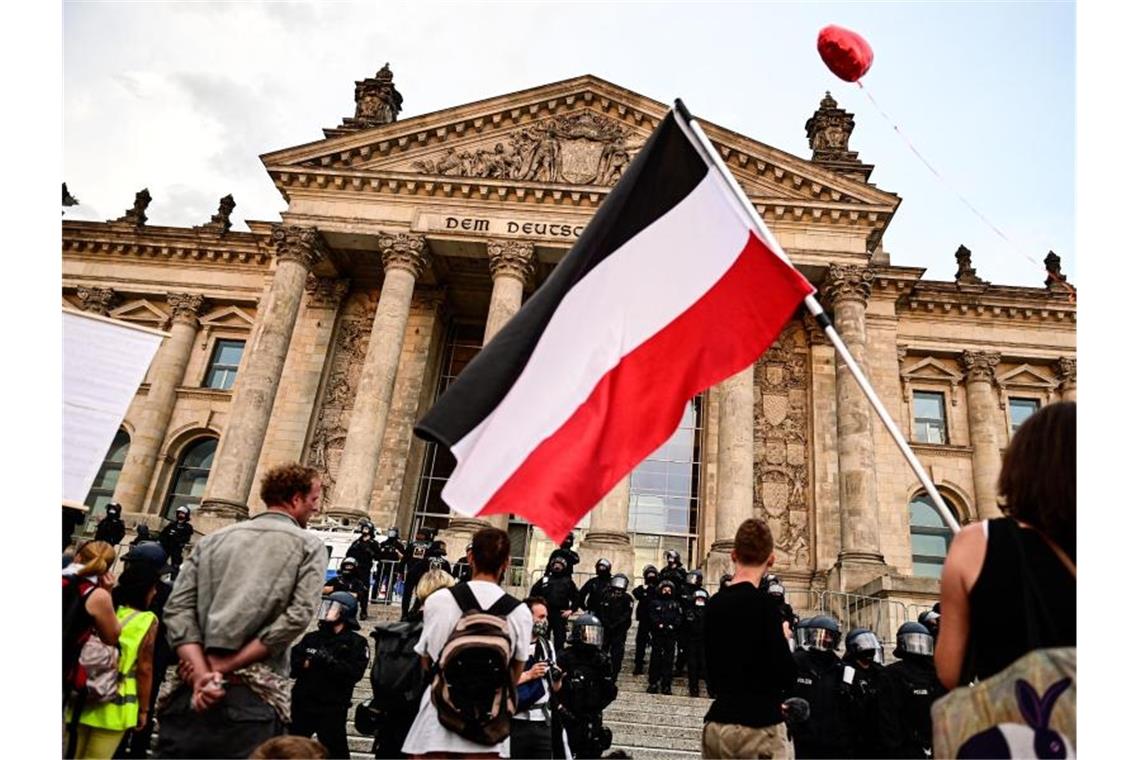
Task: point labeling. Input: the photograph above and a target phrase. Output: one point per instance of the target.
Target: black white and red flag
(669, 290)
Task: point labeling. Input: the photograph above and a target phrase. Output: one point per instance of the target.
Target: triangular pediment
(578, 134)
(931, 368)
(1026, 376)
(228, 316)
(140, 311)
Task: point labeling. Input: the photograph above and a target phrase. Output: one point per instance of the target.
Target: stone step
(661, 733)
(678, 715)
(641, 753)
(639, 700)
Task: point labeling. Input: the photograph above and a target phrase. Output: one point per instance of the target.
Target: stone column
(984, 418)
(608, 535)
(735, 458)
(298, 249)
(847, 290)
(97, 300)
(167, 373)
(1067, 373)
(512, 264)
(404, 256)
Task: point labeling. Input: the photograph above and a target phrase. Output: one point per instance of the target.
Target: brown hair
(532, 601)
(1039, 474)
(753, 542)
(490, 550)
(289, 747)
(285, 481)
(96, 557)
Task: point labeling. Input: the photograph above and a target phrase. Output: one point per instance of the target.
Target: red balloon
(848, 55)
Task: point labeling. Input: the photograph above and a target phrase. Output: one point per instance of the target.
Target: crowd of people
(469, 670)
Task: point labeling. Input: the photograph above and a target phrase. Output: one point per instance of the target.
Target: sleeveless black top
(1024, 599)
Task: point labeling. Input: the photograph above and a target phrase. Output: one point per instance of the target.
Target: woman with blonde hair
(87, 605)
(433, 580)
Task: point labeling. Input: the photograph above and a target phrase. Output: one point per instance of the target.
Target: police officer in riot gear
(772, 585)
(587, 687)
(590, 596)
(566, 551)
(347, 579)
(462, 567)
(859, 692)
(665, 619)
(694, 580)
(415, 564)
(673, 570)
(818, 675)
(111, 528)
(615, 610)
(390, 555)
(560, 593)
(930, 620)
(437, 556)
(909, 688)
(724, 581)
(693, 633)
(366, 551)
(176, 535)
(327, 663)
(644, 595)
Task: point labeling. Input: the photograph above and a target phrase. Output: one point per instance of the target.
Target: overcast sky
(183, 98)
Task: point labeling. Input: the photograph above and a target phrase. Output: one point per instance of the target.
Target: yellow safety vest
(122, 713)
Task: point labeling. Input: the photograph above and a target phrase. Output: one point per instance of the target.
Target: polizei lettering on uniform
(544, 228)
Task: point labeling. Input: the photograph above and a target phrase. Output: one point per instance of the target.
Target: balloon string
(1050, 275)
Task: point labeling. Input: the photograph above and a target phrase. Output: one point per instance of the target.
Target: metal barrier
(881, 616)
(387, 583)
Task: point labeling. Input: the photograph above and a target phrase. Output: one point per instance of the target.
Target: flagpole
(702, 142)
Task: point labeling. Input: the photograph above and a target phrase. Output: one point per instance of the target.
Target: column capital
(980, 366)
(301, 244)
(511, 258)
(848, 282)
(325, 292)
(185, 307)
(1066, 369)
(404, 250)
(97, 300)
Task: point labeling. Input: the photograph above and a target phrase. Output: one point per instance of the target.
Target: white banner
(104, 362)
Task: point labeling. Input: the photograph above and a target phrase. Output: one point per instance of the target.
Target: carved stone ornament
(1055, 280)
(980, 366)
(815, 334)
(97, 300)
(185, 307)
(325, 292)
(404, 251)
(1066, 369)
(220, 222)
(966, 274)
(829, 130)
(378, 102)
(577, 149)
(302, 244)
(136, 214)
(511, 258)
(848, 282)
(902, 351)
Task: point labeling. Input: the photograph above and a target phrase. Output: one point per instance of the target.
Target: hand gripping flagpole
(702, 142)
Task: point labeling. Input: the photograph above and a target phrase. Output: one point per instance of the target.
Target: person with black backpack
(475, 640)
(587, 687)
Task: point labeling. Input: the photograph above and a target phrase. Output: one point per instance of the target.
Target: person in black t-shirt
(748, 663)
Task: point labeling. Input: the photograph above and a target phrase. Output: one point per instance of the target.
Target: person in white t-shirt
(489, 557)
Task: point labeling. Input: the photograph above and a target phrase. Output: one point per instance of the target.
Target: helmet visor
(917, 643)
(819, 639)
(332, 611)
(591, 634)
(864, 644)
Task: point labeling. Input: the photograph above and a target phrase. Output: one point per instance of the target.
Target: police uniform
(909, 688)
(644, 594)
(390, 554)
(327, 666)
(415, 565)
(349, 583)
(693, 632)
(365, 552)
(174, 538)
(587, 688)
(560, 594)
(824, 733)
(859, 696)
(615, 610)
(111, 529)
(664, 623)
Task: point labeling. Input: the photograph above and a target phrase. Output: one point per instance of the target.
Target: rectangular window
(929, 417)
(224, 364)
(1021, 409)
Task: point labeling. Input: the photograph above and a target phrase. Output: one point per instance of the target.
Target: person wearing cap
(111, 528)
(327, 664)
(176, 536)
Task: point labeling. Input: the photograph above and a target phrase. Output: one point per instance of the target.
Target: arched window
(929, 537)
(104, 486)
(189, 481)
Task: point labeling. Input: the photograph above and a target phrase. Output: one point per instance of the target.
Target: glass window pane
(1021, 409)
(928, 405)
(934, 546)
(189, 482)
(928, 569)
(923, 513)
(229, 352)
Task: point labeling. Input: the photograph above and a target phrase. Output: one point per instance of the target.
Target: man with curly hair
(245, 593)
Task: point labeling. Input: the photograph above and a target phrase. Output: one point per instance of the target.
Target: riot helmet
(114, 509)
(776, 589)
(819, 633)
(557, 566)
(338, 607)
(348, 566)
(568, 542)
(620, 582)
(931, 619)
(914, 639)
(367, 531)
(182, 513)
(394, 533)
(436, 563)
(421, 533)
(672, 558)
(700, 597)
(649, 574)
(862, 644)
(666, 589)
(602, 567)
(587, 630)
(438, 549)
(767, 580)
(695, 578)
(142, 532)
(725, 580)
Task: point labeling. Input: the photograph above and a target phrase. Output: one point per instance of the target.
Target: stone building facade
(408, 243)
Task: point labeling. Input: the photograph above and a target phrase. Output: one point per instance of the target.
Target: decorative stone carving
(980, 366)
(829, 130)
(815, 334)
(848, 282)
(404, 251)
(301, 244)
(68, 198)
(1055, 280)
(136, 214)
(578, 149)
(325, 292)
(185, 307)
(97, 300)
(1066, 369)
(378, 102)
(220, 222)
(966, 274)
(511, 258)
(782, 445)
(902, 351)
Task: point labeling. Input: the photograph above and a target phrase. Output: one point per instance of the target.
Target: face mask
(541, 628)
(699, 602)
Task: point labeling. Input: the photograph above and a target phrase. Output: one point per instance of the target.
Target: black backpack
(397, 676)
(473, 690)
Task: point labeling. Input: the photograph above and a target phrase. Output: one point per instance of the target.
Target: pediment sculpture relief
(579, 149)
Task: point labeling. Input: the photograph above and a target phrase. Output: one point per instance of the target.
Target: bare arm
(963, 564)
(253, 651)
(516, 670)
(100, 607)
(145, 673)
